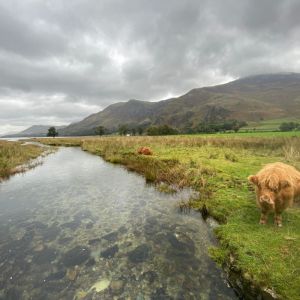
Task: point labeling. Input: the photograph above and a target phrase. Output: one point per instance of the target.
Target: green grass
(267, 134)
(218, 167)
(269, 124)
(14, 154)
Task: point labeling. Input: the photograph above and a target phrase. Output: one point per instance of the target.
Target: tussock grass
(14, 154)
(218, 167)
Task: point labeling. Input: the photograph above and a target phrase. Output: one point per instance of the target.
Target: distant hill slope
(34, 131)
(254, 98)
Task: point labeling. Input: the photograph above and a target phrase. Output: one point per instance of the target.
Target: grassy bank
(218, 166)
(13, 155)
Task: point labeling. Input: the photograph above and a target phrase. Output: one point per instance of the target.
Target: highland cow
(144, 151)
(277, 185)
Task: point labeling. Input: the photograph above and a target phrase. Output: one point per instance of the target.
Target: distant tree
(100, 130)
(52, 132)
(123, 129)
(289, 126)
(236, 128)
(161, 130)
(152, 130)
(227, 125)
(205, 127)
(188, 130)
(133, 131)
(140, 130)
(167, 130)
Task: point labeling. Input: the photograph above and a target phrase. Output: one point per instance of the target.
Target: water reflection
(80, 228)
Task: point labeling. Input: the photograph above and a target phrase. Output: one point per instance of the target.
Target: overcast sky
(63, 60)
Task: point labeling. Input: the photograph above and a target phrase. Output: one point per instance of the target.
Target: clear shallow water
(80, 228)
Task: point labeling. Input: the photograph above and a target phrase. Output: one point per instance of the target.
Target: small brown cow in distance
(276, 185)
(144, 151)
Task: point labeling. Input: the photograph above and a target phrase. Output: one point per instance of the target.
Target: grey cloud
(94, 53)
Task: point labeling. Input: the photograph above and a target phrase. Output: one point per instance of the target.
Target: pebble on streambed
(139, 254)
(97, 287)
(116, 286)
(76, 256)
(100, 285)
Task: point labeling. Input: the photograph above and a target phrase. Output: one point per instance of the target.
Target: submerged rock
(150, 276)
(51, 233)
(139, 254)
(93, 242)
(28, 236)
(122, 230)
(39, 247)
(56, 276)
(80, 295)
(110, 252)
(160, 294)
(13, 294)
(89, 225)
(111, 237)
(181, 243)
(150, 229)
(53, 287)
(47, 255)
(84, 214)
(76, 256)
(72, 273)
(72, 225)
(100, 285)
(116, 286)
(65, 240)
(36, 225)
(90, 262)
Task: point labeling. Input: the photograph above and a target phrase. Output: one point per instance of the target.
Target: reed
(15, 154)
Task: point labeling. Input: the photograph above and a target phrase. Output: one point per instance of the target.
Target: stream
(77, 227)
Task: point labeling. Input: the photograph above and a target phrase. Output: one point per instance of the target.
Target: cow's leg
(263, 217)
(278, 219)
(280, 206)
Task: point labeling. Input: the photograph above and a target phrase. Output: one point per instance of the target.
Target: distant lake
(78, 227)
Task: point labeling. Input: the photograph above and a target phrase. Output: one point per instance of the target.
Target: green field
(241, 134)
(269, 124)
(218, 166)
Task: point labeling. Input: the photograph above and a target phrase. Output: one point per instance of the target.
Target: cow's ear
(253, 179)
(284, 184)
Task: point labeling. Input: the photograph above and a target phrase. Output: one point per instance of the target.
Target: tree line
(289, 126)
(202, 127)
(154, 130)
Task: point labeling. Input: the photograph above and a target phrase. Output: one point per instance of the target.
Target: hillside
(34, 131)
(251, 99)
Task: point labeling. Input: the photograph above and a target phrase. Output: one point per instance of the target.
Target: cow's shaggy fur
(144, 151)
(277, 185)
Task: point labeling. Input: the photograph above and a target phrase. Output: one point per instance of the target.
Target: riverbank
(266, 257)
(13, 156)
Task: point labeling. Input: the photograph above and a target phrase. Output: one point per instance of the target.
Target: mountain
(34, 131)
(253, 98)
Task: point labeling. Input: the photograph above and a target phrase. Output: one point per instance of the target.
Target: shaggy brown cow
(276, 185)
(144, 151)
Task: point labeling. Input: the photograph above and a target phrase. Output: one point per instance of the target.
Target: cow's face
(267, 190)
(266, 197)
